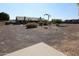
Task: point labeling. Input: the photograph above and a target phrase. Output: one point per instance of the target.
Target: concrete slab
(40, 49)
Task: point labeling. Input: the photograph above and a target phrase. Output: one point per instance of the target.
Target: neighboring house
(20, 17)
(31, 18)
(27, 18)
(73, 21)
(23, 19)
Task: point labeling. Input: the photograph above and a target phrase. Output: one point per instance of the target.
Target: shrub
(57, 21)
(4, 16)
(45, 23)
(57, 24)
(31, 25)
(41, 23)
(45, 27)
(7, 23)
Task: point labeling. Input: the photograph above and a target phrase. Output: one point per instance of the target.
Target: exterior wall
(24, 20)
(27, 18)
(20, 18)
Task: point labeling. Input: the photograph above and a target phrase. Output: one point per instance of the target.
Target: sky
(56, 10)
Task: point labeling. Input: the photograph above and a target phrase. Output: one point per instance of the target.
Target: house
(24, 20)
(20, 19)
(73, 21)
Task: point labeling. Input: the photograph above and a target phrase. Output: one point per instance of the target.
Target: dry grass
(70, 44)
(65, 39)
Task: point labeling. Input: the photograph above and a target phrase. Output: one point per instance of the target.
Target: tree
(40, 19)
(47, 15)
(57, 21)
(4, 16)
(47, 23)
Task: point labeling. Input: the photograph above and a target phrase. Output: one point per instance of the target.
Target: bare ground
(64, 39)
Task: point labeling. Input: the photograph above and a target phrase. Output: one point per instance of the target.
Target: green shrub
(57, 24)
(57, 21)
(7, 23)
(45, 23)
(54, 21)
(4, 16)
(41, 23)
(31, 25)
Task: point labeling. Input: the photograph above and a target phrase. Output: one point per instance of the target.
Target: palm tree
(47, 15)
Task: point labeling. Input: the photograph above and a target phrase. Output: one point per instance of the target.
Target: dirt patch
(15, 37)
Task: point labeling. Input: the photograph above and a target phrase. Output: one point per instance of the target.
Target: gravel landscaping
(15, 37)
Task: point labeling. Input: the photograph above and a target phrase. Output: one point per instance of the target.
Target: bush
(7, 23)
(57, 24)
(41, 23)
(31, 25)
(4, 16)
(57, 21)
(45, 23)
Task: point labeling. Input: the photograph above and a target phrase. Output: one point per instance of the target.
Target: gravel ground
(15, 37)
